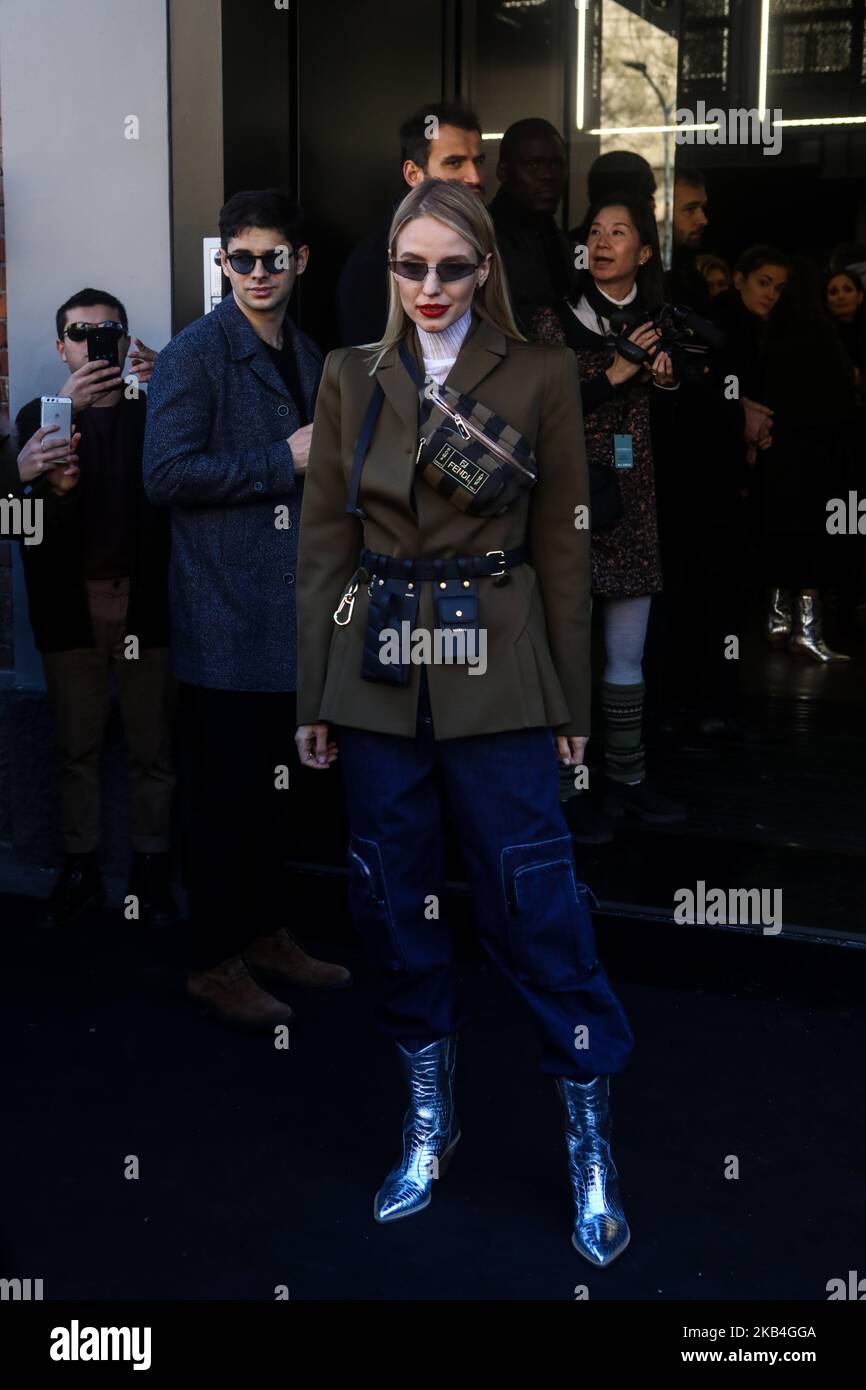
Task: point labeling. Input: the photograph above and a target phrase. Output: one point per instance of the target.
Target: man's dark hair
(414, 142)
(263, 207)
(520, 130)
(620, 171)
(756, 256)
(692, 178)
(85, 299)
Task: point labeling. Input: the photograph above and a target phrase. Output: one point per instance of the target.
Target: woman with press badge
(618, 293)
(443, 614)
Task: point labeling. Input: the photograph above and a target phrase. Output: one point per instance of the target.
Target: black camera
(683, 334)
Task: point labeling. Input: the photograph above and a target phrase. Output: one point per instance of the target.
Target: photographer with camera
(98, 579)
(622, 286)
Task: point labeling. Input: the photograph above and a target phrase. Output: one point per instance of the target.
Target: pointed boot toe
(430, 1131)
(600, 1232)
(405, 1192)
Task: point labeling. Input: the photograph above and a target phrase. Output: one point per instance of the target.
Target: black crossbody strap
(411, 365)
(361, 447)
(365, 435)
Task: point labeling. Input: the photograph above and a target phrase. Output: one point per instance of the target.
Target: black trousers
(240, 822)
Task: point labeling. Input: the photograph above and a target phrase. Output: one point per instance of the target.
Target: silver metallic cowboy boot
(430, 1130)
(777, 628)
(600, 1229)
(807, 638)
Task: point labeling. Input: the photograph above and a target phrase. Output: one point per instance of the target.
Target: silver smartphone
(57, 410)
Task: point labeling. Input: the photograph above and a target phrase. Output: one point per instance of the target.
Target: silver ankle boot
(807, 638)
(430, 1130)
(601, 1231)
(777, 628)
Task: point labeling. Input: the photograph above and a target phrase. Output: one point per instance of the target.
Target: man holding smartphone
(97, 593)
(228, 438)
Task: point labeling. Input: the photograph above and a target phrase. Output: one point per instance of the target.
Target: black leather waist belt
(495, 562)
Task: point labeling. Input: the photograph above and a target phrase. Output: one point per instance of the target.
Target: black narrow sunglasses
(446, 271)
(274, 262)
(78, 332)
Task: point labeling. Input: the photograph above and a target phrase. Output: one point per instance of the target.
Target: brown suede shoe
(280, 957)
(229, 991)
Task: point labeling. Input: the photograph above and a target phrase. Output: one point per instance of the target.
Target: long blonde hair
(455, 207)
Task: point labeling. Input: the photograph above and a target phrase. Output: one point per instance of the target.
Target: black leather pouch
(456, 605)
(387, 643)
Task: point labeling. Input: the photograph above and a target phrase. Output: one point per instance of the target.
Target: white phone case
(57, 410)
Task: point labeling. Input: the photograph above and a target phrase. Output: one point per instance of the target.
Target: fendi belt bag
(470, 455)
(465, 451)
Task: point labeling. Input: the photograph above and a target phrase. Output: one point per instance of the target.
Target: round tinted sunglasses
(273, 262)
(446, 271)
(78, 332)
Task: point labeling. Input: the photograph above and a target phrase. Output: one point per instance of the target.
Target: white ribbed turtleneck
(440, 350)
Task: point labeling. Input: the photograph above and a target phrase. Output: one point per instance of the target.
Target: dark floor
(258, 1167)
(783, 807)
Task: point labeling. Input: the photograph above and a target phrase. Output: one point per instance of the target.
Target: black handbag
(606, 506)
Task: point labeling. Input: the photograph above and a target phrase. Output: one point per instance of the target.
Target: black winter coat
(809, 383)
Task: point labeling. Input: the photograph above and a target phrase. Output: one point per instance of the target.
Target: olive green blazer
(537, 625)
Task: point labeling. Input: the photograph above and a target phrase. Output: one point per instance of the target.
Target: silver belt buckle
(501, 554)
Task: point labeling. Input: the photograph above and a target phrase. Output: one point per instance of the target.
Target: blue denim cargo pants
(530, 911)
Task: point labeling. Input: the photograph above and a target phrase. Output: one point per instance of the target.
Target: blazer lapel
(398, 386)
(310, 373)
(398, 477)
(483, 349)
(266, 371)
(245, 343)
(309, 366)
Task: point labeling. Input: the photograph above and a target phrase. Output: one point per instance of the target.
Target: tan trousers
(78, 689)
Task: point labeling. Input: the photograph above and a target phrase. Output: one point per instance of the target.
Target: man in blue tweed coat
(230, 408)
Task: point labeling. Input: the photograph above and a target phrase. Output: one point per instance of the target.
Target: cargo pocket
(549, 924)
(371, 907)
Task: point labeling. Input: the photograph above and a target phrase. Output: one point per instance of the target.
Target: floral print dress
(626, 562)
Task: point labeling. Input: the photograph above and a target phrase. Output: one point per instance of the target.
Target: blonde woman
(416, 524)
